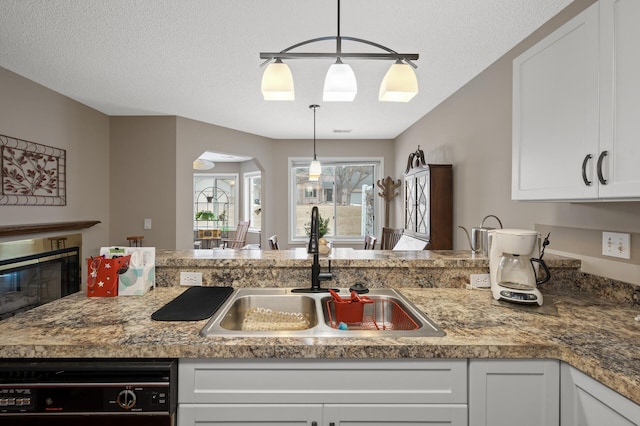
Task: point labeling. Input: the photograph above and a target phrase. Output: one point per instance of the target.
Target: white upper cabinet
(620, 98)
(555, 113)
(576, 109)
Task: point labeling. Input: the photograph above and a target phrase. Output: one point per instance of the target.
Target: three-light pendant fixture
(398, 85)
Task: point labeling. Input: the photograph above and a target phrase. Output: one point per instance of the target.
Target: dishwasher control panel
(85, 387)
(12, 400)
(83, 398)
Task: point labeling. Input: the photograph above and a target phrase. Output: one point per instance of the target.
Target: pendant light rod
(390, 55)
(314, 107)
(338, 39)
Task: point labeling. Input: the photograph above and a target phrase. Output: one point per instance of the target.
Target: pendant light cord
(314, 107)
(338, 38)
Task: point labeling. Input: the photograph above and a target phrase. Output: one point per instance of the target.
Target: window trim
(247, 176)
(236, 193)
(379, 205)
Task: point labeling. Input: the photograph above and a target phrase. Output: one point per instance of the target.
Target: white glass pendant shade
(277, 82)
(315, 170)
(399, 84)
(340, 84)
(201, 164)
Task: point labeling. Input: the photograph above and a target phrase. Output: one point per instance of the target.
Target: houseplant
(205, 215)
(323, 226)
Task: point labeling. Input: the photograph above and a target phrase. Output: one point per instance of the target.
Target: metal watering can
(479, 238)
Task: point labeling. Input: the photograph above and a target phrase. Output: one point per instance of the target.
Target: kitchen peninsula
(594, 329)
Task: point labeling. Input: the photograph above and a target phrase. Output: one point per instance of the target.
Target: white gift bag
(140, 277)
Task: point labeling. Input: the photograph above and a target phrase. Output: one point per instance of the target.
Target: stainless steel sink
(271, 313)
(277, 312)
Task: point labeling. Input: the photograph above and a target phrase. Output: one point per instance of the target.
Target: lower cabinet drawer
(319, 415)
(323, 381)
(250, 414)
(395, 414)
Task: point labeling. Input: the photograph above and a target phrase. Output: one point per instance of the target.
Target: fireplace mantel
(35, 228)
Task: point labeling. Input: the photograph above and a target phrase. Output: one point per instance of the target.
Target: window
(215, 201)
(252, 201)
(310, 192)
(344, 194)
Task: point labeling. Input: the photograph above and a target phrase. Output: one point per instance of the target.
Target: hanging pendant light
(277, 82)
(202, 164)
(399, 84)
(315, 168)
(340, 83)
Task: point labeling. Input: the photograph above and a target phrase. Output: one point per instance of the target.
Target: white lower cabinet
(476, 392)
(587, 402)
(514, 392)
(322, 392)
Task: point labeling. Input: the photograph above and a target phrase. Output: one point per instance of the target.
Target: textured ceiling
(200, 59)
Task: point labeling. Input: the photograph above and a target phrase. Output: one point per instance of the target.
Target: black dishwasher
(88, 392)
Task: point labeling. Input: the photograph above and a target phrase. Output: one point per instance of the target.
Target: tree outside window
(344, 194)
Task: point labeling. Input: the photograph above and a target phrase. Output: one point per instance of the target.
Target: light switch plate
(616, 244)
(147, 224)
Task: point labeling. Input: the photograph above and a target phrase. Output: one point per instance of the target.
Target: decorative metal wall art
(32, 174)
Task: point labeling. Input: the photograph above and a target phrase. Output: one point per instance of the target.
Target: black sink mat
(196, 303)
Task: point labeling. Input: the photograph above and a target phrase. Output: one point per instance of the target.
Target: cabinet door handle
(601, 178)
(584, 169)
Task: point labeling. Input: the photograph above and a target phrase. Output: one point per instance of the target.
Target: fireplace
(38, 271)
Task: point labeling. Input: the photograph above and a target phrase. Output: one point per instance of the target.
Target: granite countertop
(345, 257)
(597, 336)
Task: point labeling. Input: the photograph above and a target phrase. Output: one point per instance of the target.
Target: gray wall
(34, 113)
(142, 178)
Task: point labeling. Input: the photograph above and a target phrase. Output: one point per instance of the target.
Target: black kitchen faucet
(316, 275)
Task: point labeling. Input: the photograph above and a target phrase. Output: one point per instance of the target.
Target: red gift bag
(102, 280)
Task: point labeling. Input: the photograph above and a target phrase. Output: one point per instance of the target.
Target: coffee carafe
(514, 260)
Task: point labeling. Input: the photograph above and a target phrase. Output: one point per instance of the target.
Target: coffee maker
(514, 260)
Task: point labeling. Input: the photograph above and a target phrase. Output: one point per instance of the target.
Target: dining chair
(369, 242)
(273, 242)
(240, 238)
(135, 240)
(390, 237)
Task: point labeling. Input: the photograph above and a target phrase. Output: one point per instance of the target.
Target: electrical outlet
(191, 278)
(616, 244)
(480, 281)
